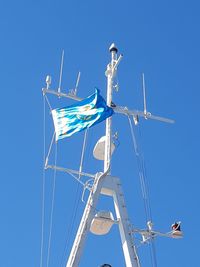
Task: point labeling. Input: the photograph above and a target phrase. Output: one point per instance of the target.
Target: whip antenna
(77, 82)
(144, 94)
(61, 71)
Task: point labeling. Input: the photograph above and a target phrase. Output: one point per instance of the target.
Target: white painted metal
(106, 184)
(117, 109)
(147, 235)
(99, 149)
(48, 81)
(86, 220)
(144, 94)
(112, 187)
(110, 73)
(59, 94)
(77, 83)
(102, 223)
(66, 170)
(61, 71)
(148, 115)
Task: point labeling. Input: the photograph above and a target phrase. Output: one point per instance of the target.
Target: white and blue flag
(80, 116)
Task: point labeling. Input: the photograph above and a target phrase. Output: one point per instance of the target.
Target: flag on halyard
(80, 116)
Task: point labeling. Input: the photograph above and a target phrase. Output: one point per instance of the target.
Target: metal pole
(110, 73)
(84, 226)
(90, 208)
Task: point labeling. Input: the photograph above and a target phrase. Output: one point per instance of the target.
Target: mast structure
(110, 73)
(106, 184)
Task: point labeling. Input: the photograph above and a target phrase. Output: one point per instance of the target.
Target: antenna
(73, 92)
(144, 94)
(104, 183)
(61, 71)
(48, 81)
(77, 83)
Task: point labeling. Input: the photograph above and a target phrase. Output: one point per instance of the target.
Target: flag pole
(110, 73)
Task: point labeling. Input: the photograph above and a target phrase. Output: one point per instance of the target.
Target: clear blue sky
(159, 38)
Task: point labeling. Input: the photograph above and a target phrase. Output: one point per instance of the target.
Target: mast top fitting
(113, 48)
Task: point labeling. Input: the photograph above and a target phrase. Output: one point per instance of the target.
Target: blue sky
(159, 38)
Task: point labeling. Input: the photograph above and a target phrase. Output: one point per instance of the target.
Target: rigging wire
(78, 192)
(43, 184)
(77, 198)
(46, 98)
(83, 153)
(140, 168)
(152, 247)
(45, 159)
(147, 189)
(44, 176)
(153, 253)
(71, 225)
(50, 147)
(52, 208)
(144, 188)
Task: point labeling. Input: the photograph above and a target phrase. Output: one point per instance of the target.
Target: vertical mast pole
(110, 73)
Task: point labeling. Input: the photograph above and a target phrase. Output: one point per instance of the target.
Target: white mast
(106, 184)
(110, 73)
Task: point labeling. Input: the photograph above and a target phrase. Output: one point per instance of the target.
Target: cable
(44, 175)
(52, 208)
(153, 253)
(147, 189)
(50, 147)
(43, 184)
(71, 225)
(46, 98)
(144, 188)
(140, 169)
(83, 152)
(77, 198)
